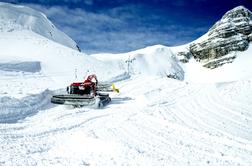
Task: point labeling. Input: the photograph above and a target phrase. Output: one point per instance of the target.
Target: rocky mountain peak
(236, 20)
(237, 12)
(230, 34)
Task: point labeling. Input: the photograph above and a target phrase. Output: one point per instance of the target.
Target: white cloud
(119, 29)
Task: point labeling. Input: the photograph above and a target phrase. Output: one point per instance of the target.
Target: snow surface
(204, 118)
(153, 121)
(19, 18)
(21, 66)
(152, 61)
(21, 52)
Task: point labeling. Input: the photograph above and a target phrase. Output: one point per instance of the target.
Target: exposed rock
(219, 62)
(250, 37)
(232, 33)
(215, 48)
(173, 76)
(184, 56)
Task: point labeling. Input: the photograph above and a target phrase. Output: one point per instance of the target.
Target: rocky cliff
(230, 34)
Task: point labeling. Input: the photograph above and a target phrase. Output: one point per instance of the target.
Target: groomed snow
(153, 121)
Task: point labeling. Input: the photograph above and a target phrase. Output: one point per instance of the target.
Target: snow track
(178, 124)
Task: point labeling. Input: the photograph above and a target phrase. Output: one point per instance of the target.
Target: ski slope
(153, 121)
(202, 118)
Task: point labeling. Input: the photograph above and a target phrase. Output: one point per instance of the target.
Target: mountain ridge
(231, 33)
(18, 18)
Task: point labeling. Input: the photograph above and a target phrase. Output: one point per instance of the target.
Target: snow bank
(18, 18)
(12, 109)
(21, 66)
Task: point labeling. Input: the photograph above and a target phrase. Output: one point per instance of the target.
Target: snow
(57, 67)
(168, 123)
(204, 118)
(32, 66)
(19, 18)
(153, 60)
(239, 69)
(13, 109)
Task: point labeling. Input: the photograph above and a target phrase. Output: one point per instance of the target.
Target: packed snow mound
(21, 66)
(153, 60)
(13, 109)
(18, 18)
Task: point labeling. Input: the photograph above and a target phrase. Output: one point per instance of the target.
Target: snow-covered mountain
(222, 54)
(154, 60)
(166, 61)
(154, 120)
(18, 18)
(230, 34)
(25, 54)
(31, 46)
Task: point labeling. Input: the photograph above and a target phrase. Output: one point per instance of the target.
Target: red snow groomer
(85, 93)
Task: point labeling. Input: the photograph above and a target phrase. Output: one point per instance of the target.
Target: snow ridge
(18, 18)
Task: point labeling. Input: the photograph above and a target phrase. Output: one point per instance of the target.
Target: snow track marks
(153, 121)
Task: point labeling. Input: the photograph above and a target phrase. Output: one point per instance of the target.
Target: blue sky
(125, 25)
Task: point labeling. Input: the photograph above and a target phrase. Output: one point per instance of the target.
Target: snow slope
(239, 69)
(18, 18)
(38, 63)
(154, 60)
(167, 123)
(154, 120)
(161, 60)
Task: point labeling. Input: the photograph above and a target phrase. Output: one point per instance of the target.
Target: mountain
(154, 60)
(34, 53)
(222, 54)
(19, 18)
(227, 41)
(232, 33)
